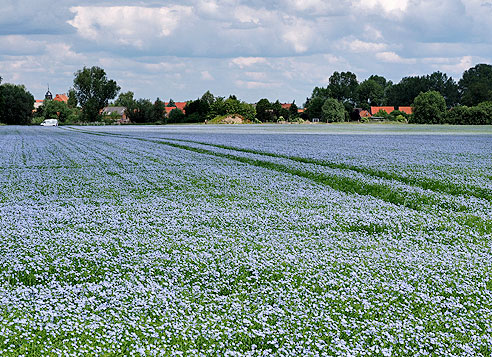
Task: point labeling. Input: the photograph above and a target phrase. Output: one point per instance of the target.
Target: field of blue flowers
(245, 241)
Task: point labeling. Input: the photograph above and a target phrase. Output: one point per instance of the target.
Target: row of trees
(473, 88)
(92, 91)
(430, 108)
(202, 109)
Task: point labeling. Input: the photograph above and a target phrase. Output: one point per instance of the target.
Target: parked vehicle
(50, 122)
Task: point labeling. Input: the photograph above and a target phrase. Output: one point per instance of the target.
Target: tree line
(463, 102)
(435, 98)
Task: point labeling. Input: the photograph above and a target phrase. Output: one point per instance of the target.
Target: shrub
(429, 108)
(333, 111)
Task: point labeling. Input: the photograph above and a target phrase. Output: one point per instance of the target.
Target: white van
(50, 122)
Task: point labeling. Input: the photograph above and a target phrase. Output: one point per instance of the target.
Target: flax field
(252, 240)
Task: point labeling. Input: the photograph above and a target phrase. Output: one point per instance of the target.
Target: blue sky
(254, 49)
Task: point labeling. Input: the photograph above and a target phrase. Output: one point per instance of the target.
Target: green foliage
(141, 111)
(370, 93)
(176, 116)
(171, 103)
(405, 92)
(37, 120)
(383, 114)
(333, 111)
(54, 109)
(93, 91)
(72, 98)
(314, 107)
(343, 86)
(293, 111)
(125, 100)
(208, 98)
(264, 111)
(233, 106)
(429, 108)
(477, 115)
(16, 104)
(159, 111)
(476, 85)
(460, 115)
(197, 110)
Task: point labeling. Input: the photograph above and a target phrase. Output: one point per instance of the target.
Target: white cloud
(464, 63)
(298, 35)
(206, 76)
(386, 5)
(243, 62)
(20, 45)
(358, 46)
(392, 57)
(258, 76)
(247, 14)
(127, 25)
(255, 84)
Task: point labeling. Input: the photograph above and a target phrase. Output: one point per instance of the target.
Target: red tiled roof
(286, 105)
(39, 100)
(388, 110)
(61, 98)
(300, 110)
(407, 110)
(180, 105)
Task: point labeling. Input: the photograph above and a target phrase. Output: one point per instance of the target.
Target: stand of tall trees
(473, 90)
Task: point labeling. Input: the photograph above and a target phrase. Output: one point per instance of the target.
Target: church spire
(48, 95)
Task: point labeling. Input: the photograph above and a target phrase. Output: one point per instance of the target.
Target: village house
(406, 110)
(118, 112)
(178, 105)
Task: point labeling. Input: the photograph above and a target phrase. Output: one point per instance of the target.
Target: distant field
(246, 240)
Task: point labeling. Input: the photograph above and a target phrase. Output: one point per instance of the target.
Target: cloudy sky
(254, 49)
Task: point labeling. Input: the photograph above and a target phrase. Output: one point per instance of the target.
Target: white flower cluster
(132, 241)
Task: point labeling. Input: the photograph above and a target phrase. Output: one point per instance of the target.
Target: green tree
(276, 109)
(440, 82)
(383, 82)
(486, 107)
(293, 111)
(72, 98)
(16, 104)
(176, 116)
(405, 92)
(125, 100)
(171, 103)
(54, 109)
(333, 111)
(320, 92)
(141, 112)
(476, 85)
(314, 107)
(93, 90)
(264, 112)
(343, 86)
(429, 108)
(217, 108)
(370, 93)
(158, 111)
(208, 98)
